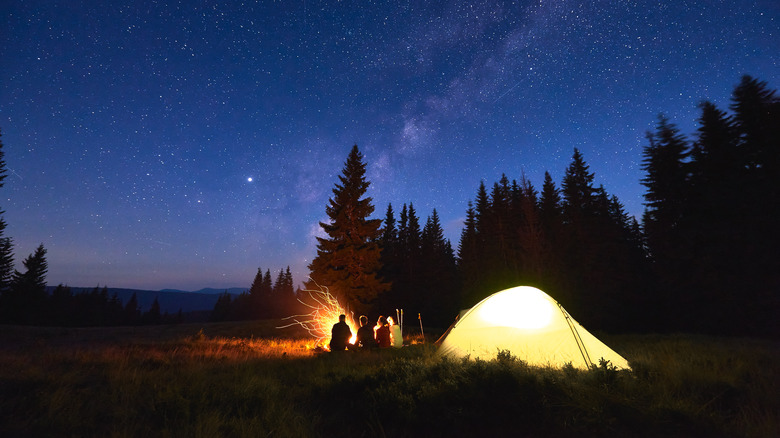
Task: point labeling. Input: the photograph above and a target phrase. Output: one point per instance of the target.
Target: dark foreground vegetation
(242, 379)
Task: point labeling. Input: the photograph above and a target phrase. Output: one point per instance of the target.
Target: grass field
(250, 379)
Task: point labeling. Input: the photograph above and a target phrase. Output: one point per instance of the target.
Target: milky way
(185, 144)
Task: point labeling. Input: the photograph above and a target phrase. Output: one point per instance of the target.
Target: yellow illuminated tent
(530, 325)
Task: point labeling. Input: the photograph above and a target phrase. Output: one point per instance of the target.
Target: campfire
(325, 311)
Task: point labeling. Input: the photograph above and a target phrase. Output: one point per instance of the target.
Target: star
(450, 95)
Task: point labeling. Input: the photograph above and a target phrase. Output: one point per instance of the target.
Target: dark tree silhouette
(6, 244)
(25, 300)
(437, 289)
(153, 316)
(264, 299)
(551, 221)
(531, 239)
(390, 258)
(468, 256)
(283, 297)
(711, 215)
(132, 314)
(259, 302)
(348, 259)
(222, 308)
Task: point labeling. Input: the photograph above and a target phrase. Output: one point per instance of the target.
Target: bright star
(249, 179)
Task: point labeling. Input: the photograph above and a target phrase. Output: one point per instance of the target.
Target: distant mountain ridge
(171, 300)
(210, 290)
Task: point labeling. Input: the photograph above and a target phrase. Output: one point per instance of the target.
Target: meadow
(251, 379)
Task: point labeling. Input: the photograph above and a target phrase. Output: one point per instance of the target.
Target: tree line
(711, 217)
(22, 294)
(95, 308)
(703, 259)
(265, 299)
(24, 299)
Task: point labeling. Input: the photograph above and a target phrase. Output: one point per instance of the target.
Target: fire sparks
(325, 311)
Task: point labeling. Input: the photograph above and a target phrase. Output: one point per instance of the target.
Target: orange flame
(325, 311)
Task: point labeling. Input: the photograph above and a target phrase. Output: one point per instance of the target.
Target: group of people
(385, 334)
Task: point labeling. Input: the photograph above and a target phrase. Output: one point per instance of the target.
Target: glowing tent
(530, 325)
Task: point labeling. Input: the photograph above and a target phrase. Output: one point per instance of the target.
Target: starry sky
(177, 144)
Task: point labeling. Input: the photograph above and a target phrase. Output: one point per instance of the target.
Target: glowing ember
(325, 311)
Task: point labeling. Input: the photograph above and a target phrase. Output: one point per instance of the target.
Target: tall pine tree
(437, 293)
(756, 117)
(348, 259)
(665, 161)
(577, 238)
(283, 294)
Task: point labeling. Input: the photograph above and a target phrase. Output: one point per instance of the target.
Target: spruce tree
(154, 316)
(475, 259)
(284, 290)
(267, 287)
(389, 232)
(131, 312)
(481, 206)
(578, 191)
(595, 251)
(756, 118)
(407, 290)
(437, 288)
(412, 237)
(281, 295)
(222, 308)
(27, 292)
(257, 284)
(6, 244)
(6, 263)
(348, 259)
(551, 222)
(258, 299)
(717, 207)
(389, 245)
(468, 236)
(531, 235)
(577, 237)
(665, 161)
(500, 236)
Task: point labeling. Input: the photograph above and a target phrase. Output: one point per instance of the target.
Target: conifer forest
(703, 258)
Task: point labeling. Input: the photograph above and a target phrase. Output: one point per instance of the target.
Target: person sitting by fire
(382, 333)
(396, 338)
(365, 335)
(340, 334)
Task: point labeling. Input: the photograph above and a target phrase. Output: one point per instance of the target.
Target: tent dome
(529, 324)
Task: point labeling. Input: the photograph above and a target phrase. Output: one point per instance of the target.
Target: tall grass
(238, 379)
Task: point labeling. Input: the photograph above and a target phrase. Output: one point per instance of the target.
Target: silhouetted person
(396, 337)
(365, 334)
(340, 334)
(382, 333)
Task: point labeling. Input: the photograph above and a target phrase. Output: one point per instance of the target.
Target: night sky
(162, 144)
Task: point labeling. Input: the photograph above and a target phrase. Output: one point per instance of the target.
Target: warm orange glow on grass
(325, 311)
(228, 349)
